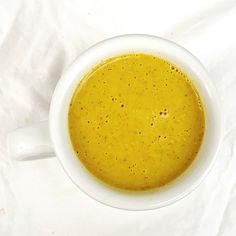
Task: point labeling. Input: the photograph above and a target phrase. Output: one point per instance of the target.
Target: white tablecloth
(38, 40)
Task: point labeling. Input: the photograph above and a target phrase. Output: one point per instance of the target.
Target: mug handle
(30, 142)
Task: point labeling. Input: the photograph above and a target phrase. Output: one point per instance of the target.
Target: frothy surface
(136, 121)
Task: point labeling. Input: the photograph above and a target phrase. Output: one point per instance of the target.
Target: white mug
(51, 138)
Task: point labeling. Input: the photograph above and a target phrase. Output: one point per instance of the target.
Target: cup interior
(169, 51)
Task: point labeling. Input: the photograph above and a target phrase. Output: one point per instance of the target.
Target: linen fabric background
(38, 41)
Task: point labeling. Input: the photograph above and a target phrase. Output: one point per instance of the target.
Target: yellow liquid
(136, 121)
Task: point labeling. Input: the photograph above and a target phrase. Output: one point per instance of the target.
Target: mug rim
(57, 117)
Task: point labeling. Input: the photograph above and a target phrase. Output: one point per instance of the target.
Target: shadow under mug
(51, 138)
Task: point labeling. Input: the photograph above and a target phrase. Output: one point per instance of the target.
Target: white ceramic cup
(51, 138)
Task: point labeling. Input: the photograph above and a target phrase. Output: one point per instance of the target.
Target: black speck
(122, 105)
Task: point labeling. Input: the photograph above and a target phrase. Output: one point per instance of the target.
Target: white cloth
(38, 40)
